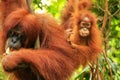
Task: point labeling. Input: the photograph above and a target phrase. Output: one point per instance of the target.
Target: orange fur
(54, 60)
(93, 41)
(89, 46)
(72, 6)
(45, 62)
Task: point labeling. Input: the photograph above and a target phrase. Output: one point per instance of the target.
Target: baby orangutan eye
(85, 24)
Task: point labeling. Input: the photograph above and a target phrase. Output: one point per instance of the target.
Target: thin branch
(100, 7)
(103, 31)
(105, 56)
(105, 16)
(114, 13)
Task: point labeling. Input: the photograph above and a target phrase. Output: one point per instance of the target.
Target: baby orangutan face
(84, 27)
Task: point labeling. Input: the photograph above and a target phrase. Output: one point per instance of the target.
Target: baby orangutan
(83, 34)
(84, 26)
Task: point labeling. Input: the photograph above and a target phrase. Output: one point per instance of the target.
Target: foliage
(107, 67)
(53, 7)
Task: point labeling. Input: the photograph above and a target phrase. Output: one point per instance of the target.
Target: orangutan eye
(85, 24)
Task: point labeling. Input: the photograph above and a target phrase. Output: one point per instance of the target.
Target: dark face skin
(15, 39)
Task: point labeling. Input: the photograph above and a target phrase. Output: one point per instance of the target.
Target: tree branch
(105, 16)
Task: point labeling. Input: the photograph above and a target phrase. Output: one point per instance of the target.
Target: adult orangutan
(81, 29)
(20, 30)
(55, 59)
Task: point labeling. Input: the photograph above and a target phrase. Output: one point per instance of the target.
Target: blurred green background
(108, 12)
